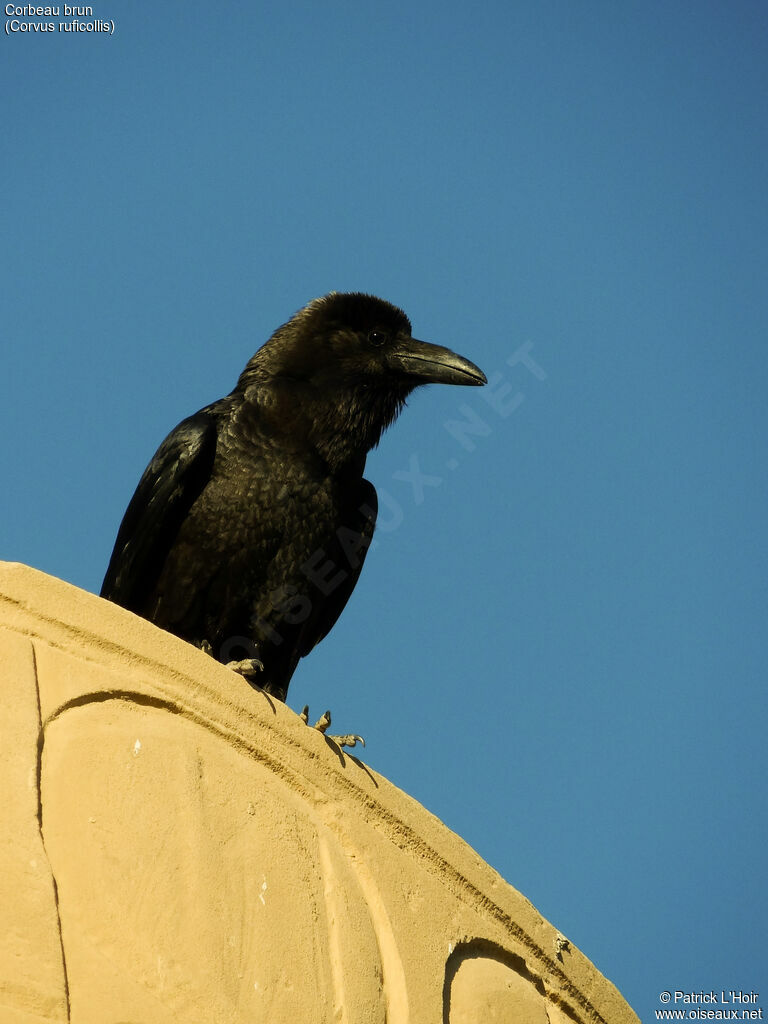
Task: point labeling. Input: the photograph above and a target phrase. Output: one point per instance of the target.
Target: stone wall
(179, 848)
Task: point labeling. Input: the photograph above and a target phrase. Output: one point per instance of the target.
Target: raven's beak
(433, 364)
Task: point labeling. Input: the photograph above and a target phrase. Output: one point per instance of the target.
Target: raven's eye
(377, 338)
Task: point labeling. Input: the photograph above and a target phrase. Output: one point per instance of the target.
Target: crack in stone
(38, 782)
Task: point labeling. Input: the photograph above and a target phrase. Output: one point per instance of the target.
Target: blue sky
(559, 644)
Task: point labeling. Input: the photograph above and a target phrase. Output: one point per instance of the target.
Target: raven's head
(349, 360)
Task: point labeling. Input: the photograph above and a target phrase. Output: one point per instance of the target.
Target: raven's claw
(349, 739)
(250, 668)
(322, 724)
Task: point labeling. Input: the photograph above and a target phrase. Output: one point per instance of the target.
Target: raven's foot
(322, 724)
(250, 668)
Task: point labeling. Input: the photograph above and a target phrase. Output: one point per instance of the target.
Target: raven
(248, 530)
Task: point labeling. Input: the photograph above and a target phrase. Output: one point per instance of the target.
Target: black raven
(249, 528)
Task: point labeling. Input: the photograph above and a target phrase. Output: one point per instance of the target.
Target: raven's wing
(171, 482)
(353, 538)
